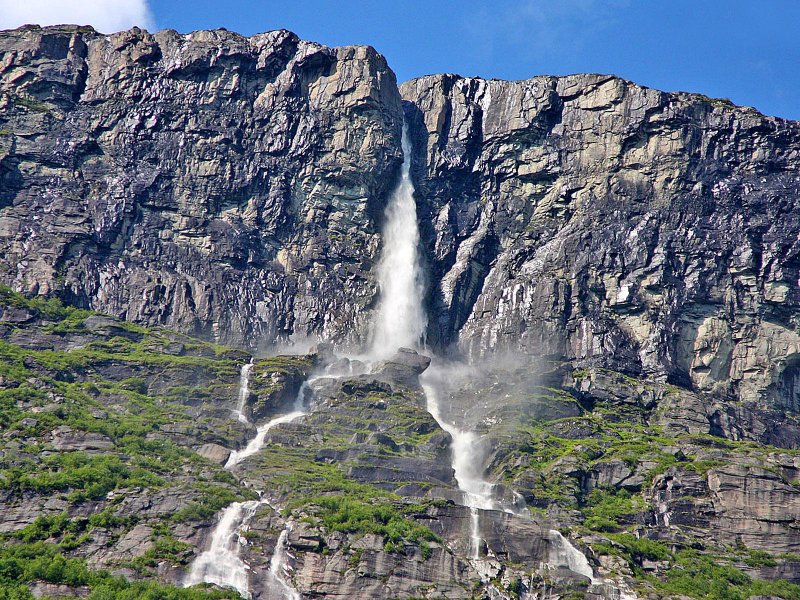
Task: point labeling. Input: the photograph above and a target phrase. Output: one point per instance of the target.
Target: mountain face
(611, 289)
(217, 184)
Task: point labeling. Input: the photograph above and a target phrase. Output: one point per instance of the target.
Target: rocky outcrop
(593, 219)
(232, 187)
(222, 185)
(617, 267)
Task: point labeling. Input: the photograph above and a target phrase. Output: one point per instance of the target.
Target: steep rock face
(593, 219)
(222, 185)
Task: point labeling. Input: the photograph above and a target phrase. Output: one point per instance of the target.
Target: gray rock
(404, 367)
(214, 452)
(251, 170)
(65, 438)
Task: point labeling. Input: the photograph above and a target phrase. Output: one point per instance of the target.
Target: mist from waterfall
(400, 320)
(466, 457)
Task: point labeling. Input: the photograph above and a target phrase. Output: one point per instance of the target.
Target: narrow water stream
(221, 562)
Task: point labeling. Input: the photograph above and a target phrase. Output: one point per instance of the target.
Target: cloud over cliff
(106, 16)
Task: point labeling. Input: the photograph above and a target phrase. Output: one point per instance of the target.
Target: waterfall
(478, 492)
(400, 320)
(466, 465)
(278, 567)
(244, 392)
(564, 554)
(257, 442)
(221, 563)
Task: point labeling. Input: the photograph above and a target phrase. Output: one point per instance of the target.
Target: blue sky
(748, 51)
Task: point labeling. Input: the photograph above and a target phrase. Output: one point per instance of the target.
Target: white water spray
(244, 392)
(564, 554)
(466, 464)
(478, 492)
(221, 563)
(400, 320)
(278, 567)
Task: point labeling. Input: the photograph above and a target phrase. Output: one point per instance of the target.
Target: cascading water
(221, 563)
(466, 466)
(565, 554)
(244, 392)
(400, 319)
(277, 568)
(400, 322)
(257, 442)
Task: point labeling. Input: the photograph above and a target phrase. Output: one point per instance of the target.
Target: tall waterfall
(401, 319)
(400, 322)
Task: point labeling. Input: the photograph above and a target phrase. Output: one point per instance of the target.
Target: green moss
(86, 476)
(608, 509)
(164, 548)
(29, 103)
(24, 563)
(212, 499)
(356, 515)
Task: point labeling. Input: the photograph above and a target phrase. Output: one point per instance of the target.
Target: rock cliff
(612, 293)
(222, 185)
(589, 218)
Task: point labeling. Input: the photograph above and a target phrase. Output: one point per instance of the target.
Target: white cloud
(106, 16)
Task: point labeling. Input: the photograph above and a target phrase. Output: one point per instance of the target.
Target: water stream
(254, 445)
(467, 467)
(244, 392)
(400, 320)
(221, 562)
(278, 567)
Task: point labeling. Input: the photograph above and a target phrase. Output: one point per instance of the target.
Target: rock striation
(612, 286)
(589, 218)
(222, 185)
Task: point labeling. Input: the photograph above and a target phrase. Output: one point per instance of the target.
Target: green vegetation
(699, 576)
(90, 477)
(341, 504)
(124, 388)
(29, 103)
(22, 564)
(46, 389)
(694, 574)
(607, 509)
(354, 515)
